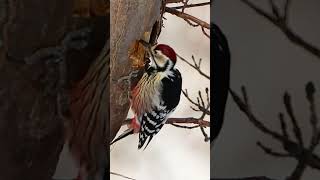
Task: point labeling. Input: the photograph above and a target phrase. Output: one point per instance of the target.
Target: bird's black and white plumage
(157, 93)
(221, 70)
(155, 96)
(152, 121)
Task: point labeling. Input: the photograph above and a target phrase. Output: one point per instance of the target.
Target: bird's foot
(135, 125)
(128, 78)
(125, 82)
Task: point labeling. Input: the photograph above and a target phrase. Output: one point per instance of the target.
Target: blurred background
(268, 64)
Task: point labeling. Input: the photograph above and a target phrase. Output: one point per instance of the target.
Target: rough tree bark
(31, 131)
(130, 21)
(31, 134)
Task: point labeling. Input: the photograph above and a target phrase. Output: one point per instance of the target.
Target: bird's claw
(128, 78)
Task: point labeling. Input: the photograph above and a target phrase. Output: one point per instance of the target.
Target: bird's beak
(150, 55)
(145, 44)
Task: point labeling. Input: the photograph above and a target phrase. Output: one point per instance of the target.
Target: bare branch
(259, 11)
(298, 171)
(281, 23)
(206, 137)
(244, 108)
(204, 32)
(195, 66)
(283, 126)
(174, 122)
(286, 10)
(207, 94)
(275, 9)
(188, 17)
(192, 5)
(185, 3)
(120, 175)
(185, 127)
(269, 151)
(296, 128)
(187, 120)
(310, 90)
(200, 107)
(304, 156)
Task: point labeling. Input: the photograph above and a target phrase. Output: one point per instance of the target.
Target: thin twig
(269, 151)
(296, 128)
(275, 9)
(188, 17)
(282, 24)
(117, 174)
(304, 156)
(204, 32)
(298, 171)
(206, 137)
(185, 3)
(195, 66)
(244, 108)
(283, 126)
(187, 120)
(200, 108)
(286, 10)
(310, 90)
(192, 5)
(184, 127)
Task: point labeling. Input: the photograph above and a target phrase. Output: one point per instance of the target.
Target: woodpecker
(156, 95)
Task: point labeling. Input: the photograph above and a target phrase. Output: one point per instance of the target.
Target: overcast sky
(173, 154)
(267, 64)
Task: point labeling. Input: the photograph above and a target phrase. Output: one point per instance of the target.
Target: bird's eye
(155, 52)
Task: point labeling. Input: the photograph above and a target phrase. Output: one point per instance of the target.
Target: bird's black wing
(153, 121)
(171, 90)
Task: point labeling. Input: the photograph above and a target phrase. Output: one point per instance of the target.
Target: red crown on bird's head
(168, 51)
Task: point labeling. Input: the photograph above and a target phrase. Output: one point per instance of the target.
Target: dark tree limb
(294, 149)
(191, 20)
(296, 128)
(281, 21)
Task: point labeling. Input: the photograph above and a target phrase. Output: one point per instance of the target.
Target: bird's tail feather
(123, 135)
(142, 139)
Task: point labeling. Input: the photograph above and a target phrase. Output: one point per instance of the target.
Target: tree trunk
(31, 132)
(130, 20)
